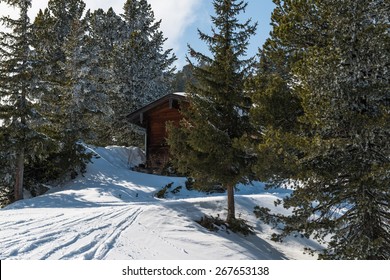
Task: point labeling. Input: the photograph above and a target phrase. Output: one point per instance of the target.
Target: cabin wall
(157, 148)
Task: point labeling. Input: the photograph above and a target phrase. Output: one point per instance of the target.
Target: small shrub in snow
(211, 223)
(163, 192)
(237, 225)
(176, 190)
(190, 184)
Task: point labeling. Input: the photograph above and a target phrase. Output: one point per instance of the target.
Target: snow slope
(112, 213)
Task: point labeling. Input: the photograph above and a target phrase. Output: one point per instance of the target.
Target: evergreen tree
(7, 169)
(340, 154)
(52, 27)
(105, 34)
(143, 70)
(207, 144)
(297, 25)
(59, 33)
(19, 89)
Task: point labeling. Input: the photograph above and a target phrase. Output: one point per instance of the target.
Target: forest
(311, 110)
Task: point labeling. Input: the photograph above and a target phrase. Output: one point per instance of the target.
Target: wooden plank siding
(154, 118)
(157, 148)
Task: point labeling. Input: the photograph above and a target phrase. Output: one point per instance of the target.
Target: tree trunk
(231, 207)
(19, 176)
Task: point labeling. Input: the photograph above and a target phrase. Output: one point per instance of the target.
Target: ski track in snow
(112, 214)
(88, 236)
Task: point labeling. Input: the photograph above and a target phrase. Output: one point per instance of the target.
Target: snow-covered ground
(112, 213)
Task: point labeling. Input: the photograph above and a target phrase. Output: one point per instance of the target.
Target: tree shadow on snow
(251, 246)
(103, 196)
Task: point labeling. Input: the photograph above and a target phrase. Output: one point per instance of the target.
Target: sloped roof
(136, 116)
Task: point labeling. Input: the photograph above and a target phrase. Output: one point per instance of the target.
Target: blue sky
(258, 10)
(181, 19)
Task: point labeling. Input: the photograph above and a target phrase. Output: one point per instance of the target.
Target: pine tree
(105, 34)
(7, 167)
(58, 35)
(341, 152)
(52, 27)
(297, 26)
(78, 99)
(207, 144)
(143, 70)
(18, 92)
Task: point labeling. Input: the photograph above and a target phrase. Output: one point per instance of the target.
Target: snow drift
(112, 213)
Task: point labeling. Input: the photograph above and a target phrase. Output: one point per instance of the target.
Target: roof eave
(136, 117)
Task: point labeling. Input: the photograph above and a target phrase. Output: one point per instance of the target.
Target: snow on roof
(184, 94)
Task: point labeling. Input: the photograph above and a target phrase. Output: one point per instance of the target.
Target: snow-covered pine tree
(143, 70)
(76, 91)
(342, 152)
(56, 26)
(51, 28)
(105, 34)
(19, 90)
(207, 144)
(154, 69)
(7, 169)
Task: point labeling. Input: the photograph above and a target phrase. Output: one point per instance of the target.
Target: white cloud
(176, 15)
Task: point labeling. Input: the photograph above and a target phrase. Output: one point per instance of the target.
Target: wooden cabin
(153, 118)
